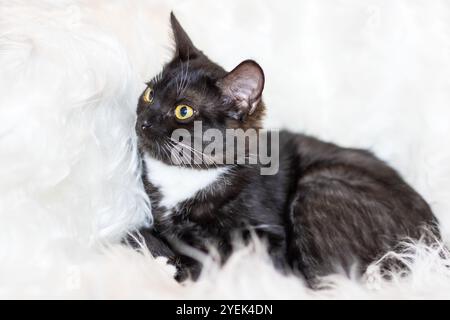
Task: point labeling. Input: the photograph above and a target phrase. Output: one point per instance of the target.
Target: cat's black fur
(327, 208)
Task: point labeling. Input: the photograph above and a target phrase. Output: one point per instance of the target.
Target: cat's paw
(372, 278)
(167, 266)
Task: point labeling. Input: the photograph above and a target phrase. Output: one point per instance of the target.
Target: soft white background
(372, 74)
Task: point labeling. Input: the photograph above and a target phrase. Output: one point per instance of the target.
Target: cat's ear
(184, 48)
(244, 86)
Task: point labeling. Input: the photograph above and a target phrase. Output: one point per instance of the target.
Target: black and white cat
(326, 209)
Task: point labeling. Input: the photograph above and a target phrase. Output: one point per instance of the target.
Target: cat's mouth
(174, 153)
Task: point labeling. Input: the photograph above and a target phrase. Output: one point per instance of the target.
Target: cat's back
(315, 160)
(310, 153)
(312, 157)
(347, 205)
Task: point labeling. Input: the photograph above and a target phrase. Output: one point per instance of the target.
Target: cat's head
(192, 88)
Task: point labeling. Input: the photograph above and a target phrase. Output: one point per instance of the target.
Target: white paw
(166, 266)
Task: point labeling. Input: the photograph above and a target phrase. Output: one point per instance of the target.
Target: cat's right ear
(184, 48)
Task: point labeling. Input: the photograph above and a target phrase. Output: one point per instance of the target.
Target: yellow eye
(148, 95)
(183, 112)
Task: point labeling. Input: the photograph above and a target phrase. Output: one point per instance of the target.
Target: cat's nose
(146, 125)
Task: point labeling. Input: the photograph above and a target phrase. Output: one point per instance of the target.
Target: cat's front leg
(187, 268)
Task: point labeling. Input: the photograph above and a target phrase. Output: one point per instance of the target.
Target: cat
(327, 208)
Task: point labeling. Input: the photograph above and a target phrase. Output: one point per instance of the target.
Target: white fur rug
(371, 74)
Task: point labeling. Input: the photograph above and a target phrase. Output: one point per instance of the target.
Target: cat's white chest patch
(177, 184)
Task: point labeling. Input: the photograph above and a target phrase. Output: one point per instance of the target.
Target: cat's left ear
(244, 86)
(184, 48)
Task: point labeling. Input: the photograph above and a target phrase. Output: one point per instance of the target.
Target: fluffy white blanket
(371, 74)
